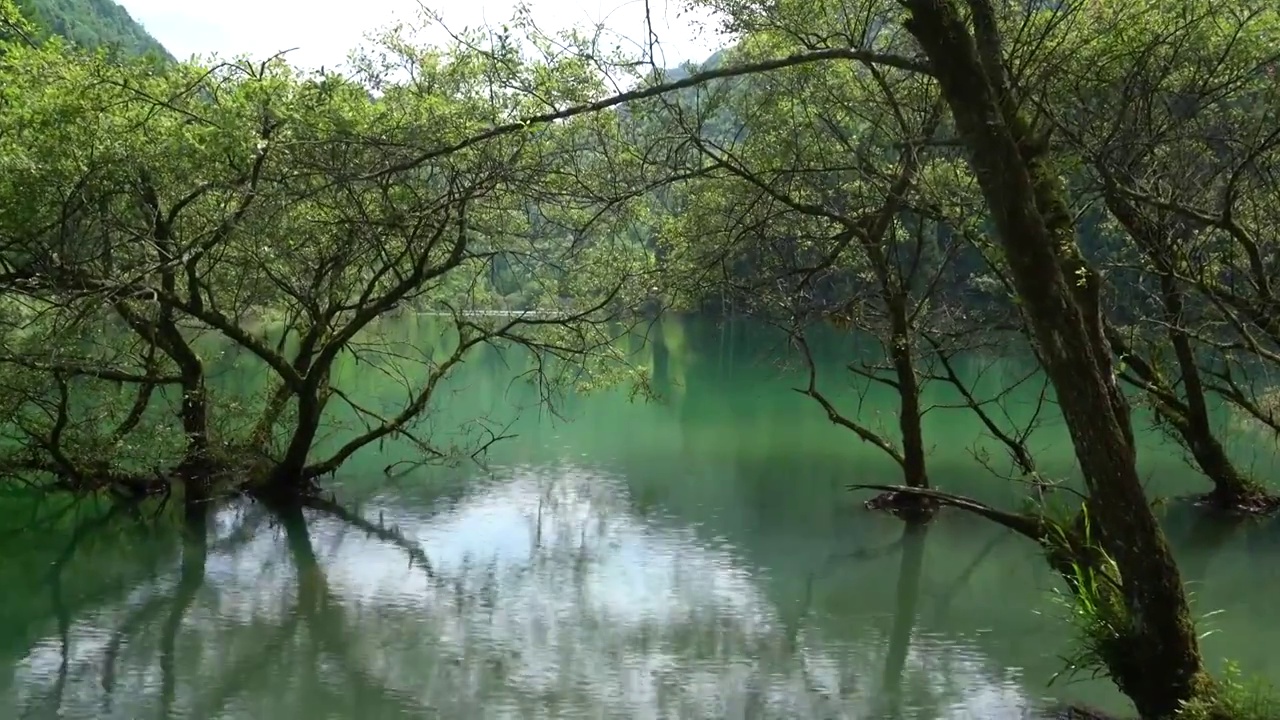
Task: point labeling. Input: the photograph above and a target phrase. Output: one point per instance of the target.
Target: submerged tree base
(1253, 503)
(280, 495)
(1076, 712)
(907, 506)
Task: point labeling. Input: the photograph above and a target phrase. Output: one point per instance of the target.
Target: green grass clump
(1235, 698)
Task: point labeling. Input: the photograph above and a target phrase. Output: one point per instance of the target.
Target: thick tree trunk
(196, 468)
(1231, 488)
(1162, 666)
(289, 477)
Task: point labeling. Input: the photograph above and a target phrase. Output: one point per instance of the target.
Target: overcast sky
(324, 32)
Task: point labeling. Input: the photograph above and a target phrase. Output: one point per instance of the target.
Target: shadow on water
(547, 595)
(695, 558)
(195, 551)
(147, 654)
(347, 687)
(904, 619)
(57, 596)
(1204, 534)
(962, 578)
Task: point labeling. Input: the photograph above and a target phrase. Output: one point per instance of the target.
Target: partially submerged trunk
(197, 469)
(1187, 416)
(911, 458)
(909, 423)
(895, 291)
(914, 470)
(1161, 666)
(1186, 413)
(289, 477)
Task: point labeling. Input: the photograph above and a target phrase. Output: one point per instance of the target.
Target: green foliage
(158, 218)
(156, 213)
(1235, 698)
(1148, 129)
(93, 24)
(1092, 602)
(14, 27)
(816, 151)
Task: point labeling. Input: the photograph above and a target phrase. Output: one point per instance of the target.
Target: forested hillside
(92, 24)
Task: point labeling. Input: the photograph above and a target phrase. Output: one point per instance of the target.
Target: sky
(262, 28)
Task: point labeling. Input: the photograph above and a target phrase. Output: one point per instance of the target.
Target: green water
(690, 558)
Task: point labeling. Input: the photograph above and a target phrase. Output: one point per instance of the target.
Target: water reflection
(695, 558)
(908, 596)
(547, 596)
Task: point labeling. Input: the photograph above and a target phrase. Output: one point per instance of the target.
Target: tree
(344, 166)
(812, 231)
(1175, 112)
(1113, 553)
(1159, 666)
(807, 196)
(983, 59)
(14, 26)
(155, 212)
(94, 25)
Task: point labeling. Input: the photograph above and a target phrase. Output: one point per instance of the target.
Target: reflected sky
(547, 597)
(691, 558)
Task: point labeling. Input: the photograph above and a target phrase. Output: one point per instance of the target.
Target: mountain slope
(93, 24)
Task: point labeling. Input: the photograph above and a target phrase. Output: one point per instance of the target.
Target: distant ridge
(93, 24)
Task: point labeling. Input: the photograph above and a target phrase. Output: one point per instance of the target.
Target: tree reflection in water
(542, 599)
(904, 619)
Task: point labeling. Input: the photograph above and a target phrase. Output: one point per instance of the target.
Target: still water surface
(692, 558)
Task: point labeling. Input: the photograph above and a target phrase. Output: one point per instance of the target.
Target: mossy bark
(1061, 296)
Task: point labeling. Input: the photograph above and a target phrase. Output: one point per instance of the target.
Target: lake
(691, 557)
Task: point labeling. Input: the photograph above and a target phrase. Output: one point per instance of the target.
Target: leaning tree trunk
(288, 478)
(292, 477)
(1162, 666)
(1231, 488)
(1189, 420)
(1187, 415)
